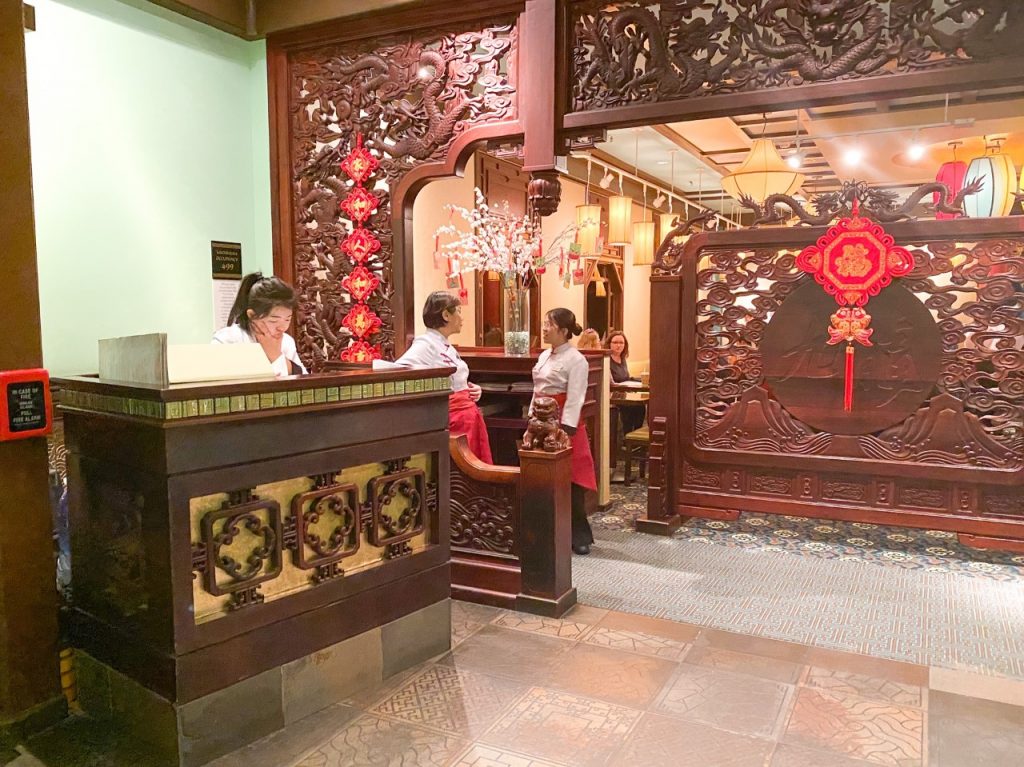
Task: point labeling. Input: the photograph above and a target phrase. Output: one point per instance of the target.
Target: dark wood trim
(281, 212)
(694, 502)
(966, 76)
(390, 21)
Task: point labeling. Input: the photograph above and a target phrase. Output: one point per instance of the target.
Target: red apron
(583, 473)
(464, 417)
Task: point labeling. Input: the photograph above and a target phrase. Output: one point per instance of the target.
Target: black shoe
(582, 548)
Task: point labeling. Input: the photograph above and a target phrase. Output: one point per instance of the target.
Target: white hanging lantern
(588, 219)
(643, 243)
(999, 182)
(620, 219)
(762, 174)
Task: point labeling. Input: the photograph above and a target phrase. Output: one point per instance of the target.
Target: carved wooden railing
(511, 530)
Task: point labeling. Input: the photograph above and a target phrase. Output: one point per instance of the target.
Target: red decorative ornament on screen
(853, 261)
(360, 245)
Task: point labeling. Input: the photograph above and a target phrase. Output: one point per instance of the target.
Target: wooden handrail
(466, 462)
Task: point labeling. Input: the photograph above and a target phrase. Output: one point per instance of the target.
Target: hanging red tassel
(848, 381)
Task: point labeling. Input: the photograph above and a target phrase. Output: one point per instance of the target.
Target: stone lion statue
(543, 430)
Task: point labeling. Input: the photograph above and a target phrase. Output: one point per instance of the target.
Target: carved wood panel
(483, 514)
(410, 96)
(956, 449)
(969, 414)
(650, 51)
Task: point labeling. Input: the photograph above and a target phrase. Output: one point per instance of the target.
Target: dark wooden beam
(226, 15)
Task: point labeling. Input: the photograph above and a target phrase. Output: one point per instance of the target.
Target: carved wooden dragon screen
(629, 54)
(411, 96)
(748, 408)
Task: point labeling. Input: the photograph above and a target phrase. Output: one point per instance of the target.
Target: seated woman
(631, 415)
(561, 372)
(589, 339)
(261, 314)
(442, 314)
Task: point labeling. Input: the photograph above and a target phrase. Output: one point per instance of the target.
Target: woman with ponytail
(261, 314)
(562, 373)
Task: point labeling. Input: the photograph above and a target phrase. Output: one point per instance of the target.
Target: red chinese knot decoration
(360, 283)
(853, 261)
(361, 321)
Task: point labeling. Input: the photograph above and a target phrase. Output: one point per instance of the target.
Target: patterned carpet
(916, 596)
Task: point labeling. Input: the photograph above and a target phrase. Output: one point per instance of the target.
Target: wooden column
(545, 548)
(663, 407)
(29, 674)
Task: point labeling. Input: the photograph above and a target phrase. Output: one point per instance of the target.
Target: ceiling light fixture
(588, 219)
(853, 156)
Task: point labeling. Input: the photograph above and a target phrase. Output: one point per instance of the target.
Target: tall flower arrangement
(496, 240)
(499, 241)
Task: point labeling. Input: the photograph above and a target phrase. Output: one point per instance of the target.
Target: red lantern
(951, 174)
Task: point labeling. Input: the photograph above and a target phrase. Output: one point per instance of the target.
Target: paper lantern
(643, 243)
(620, 219)
(762, 174)
(1000, 182)
(665, 225)
(588, 219)
(951, 174)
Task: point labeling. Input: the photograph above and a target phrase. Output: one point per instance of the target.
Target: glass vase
(517, 321)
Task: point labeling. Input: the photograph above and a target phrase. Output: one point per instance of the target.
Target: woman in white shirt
(562, 373)
(442, 314)
(261, 314)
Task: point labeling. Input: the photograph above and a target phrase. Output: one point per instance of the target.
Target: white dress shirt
(432, 350)
(234, 334)
(563, 369)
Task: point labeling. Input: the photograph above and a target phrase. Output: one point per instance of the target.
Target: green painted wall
(149, 140)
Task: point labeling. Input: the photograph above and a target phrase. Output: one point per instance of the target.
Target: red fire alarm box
(26, 409)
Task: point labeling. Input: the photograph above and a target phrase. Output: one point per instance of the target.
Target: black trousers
(631, 417)
(582, 535)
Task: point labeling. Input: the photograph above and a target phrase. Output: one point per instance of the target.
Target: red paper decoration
(362, 321)
(360, 351)
(360, 204)
(853, 261)
(360, 164)
(359, 245)
(360, 283)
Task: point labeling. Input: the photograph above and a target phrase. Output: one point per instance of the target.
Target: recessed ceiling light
(853, 156)
(794, 161)
(662, 162)
(915, 151)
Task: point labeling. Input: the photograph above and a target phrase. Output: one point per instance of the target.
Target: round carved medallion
(891, 378)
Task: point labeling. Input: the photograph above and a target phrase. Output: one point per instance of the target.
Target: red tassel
(848, 382)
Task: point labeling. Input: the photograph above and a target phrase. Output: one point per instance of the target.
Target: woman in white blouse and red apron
(442, 314)
(562, 373)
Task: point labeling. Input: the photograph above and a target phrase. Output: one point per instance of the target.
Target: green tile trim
(245, 403)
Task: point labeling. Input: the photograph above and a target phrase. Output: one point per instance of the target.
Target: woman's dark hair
(437, 303)
(261, 294)
(613, 334)
(566, 320)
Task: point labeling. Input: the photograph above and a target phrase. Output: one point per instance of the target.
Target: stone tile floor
(600, 687)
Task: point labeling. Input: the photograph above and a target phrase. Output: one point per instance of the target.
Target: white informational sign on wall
(224, 292)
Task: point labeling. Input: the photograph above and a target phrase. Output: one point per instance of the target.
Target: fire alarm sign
(25, 406)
